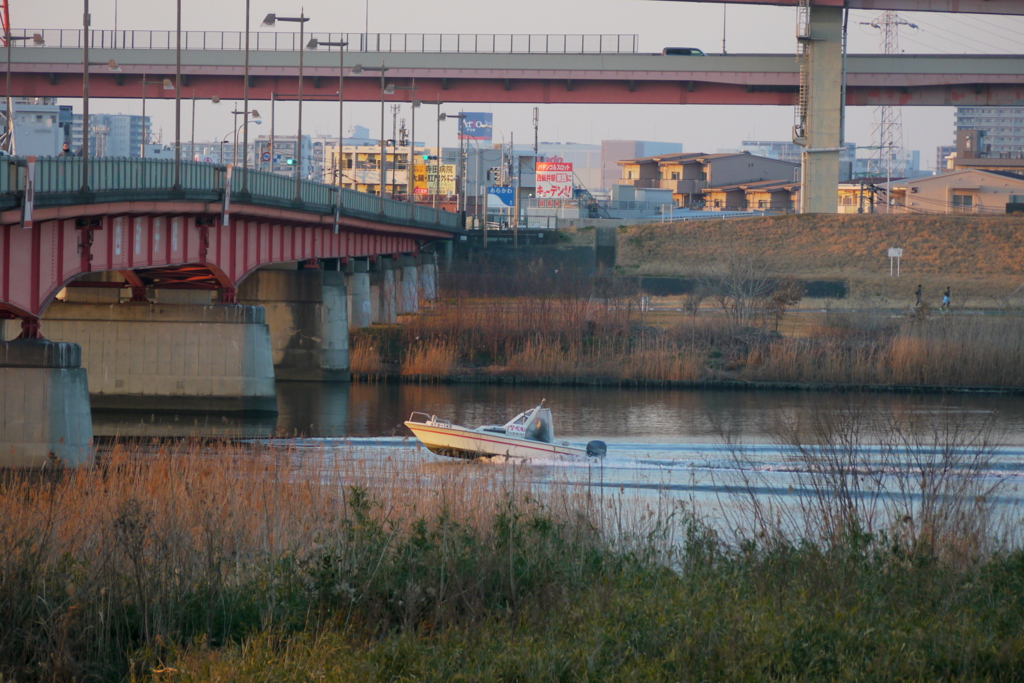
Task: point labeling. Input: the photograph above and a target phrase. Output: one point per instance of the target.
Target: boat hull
(464, 443)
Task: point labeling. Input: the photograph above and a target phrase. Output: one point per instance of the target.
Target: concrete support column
(359, 291)
(44, 405)
(409, 299)
(174, 357)
(820, 158)
(334, 328)
(428, 277)
(307, 313)
(387, 291)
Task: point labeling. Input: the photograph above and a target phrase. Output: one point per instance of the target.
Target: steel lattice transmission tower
(887, 158)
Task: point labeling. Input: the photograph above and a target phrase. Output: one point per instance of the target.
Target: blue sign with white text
(476, 126)
(501, 197)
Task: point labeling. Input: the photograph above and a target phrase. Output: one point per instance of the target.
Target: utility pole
(536, 120)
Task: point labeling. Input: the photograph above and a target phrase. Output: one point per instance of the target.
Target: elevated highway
(608, 78)
(961, 6)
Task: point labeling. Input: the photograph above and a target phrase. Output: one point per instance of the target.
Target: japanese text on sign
(554, 179)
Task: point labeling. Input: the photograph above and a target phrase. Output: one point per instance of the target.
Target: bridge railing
(132, 178)
(508, 43)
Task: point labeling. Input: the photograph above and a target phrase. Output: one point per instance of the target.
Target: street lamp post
(270, 20)
(192, 138)
(245, 135)
(385, 89)
(245, 105)
(85, 96)
(413, 102)
(341, 45)
(234, 131)
(167, 86)
(270, 147)
(112, 65)
(177, 105)
(8, 136)
(459, 197)
(437, 156)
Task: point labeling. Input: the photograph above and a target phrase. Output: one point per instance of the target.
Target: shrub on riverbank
(536, 339)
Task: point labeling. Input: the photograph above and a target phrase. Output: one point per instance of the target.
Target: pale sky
(657, 24)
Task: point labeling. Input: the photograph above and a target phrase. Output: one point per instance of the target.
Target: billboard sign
(447, 180)
(554, 179)
(419, 178)
(476, 126)
(501, 197)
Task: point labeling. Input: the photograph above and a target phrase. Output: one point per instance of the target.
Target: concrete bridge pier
(821, 136)
(44, 405)
(428, 277)
(358, 282)
(384, 291)
(409, 294)
(307, 313)
(174, 352)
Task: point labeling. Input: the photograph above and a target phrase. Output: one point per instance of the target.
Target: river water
(694, 444)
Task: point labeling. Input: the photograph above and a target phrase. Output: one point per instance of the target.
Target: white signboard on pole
(895, 253)
(554, 179)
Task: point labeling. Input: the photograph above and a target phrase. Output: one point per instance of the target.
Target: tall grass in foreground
(239, 562)
(924, 483)
(169, 545)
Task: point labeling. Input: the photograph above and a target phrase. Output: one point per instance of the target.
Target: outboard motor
(596, 449)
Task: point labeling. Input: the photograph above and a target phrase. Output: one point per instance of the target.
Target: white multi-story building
(284, 156)
(1001, 128)
(113, 135)
(41, 126)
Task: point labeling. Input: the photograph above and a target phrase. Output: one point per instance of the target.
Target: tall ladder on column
(803, 39)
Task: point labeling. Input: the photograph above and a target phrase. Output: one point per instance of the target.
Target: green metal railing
(58, 181)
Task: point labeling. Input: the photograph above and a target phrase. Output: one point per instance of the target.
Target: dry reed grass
(164, 543)
(430, 359)
(364, 356)
(943, 351)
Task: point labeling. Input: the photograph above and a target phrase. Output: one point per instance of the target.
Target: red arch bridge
(212, 231)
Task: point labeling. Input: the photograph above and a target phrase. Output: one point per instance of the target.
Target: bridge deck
(206, 234)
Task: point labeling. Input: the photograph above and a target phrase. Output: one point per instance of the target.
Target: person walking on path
(945, 299)
(917, 293)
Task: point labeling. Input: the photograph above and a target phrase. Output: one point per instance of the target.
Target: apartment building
(688, 175)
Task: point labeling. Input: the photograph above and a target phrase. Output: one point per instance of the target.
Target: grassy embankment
(980, 257)
(541, 325)
(225, 562)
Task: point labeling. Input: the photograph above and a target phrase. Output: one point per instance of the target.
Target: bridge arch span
(173, 244)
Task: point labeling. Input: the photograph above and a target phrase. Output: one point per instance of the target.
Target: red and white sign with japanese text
(554, 179)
